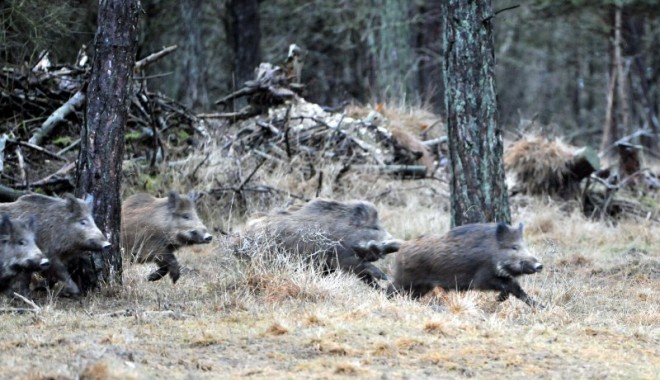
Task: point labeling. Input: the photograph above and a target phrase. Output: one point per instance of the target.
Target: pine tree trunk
(102, 137)
(478, 188)
(195, 89)
(611, 128)
(244, 36)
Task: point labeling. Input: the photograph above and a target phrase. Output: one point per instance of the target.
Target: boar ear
(520, 229)
(173, 200)
(71, 202)
(194, 196)
(502, 231)
(5, 227)
(31, 223)
(360, 213)
(89, 201)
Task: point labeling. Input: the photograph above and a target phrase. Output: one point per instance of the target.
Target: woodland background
(556, 61)
(554, 58)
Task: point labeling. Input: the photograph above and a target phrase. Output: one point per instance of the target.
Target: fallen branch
(153, 57)
(47, 180)
(36, 308)
(38, 149)
(56, 117)
(8, 194)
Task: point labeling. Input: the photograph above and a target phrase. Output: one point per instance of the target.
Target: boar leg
(367, 252)
(390, 246)
(21, 283)
(58, 272)
(513, 287)
(369, 273)
(166, 264)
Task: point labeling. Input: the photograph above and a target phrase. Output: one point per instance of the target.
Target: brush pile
(548, 167)
(42, 113)
(541, 166)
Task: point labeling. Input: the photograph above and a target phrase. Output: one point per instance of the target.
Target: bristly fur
(334, 235)
(474, 256)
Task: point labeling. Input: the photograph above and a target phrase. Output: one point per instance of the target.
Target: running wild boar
(65, 229)
(474, 256)
(345, 236)
(154, 228)
(18, 249)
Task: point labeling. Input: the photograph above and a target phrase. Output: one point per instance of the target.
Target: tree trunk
(195, 90)
(611, 127)
(478, 188)
(102, 137)
(244, 36)
(429, 74)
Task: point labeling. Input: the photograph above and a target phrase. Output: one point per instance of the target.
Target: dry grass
(539, 165)
(227, 319)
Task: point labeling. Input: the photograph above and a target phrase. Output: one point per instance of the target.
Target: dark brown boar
(345, 236)
(154, 228)
(18, 249)
(65, 229)
(474, 256)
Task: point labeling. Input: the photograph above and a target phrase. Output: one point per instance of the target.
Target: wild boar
(154, 228)
(65, 228)
(345, 236)
(18, 249)
(474, 256)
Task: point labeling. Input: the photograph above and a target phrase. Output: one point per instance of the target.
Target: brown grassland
(227, 319)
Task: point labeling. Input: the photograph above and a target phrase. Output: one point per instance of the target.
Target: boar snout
(530, 267)
(201, 237)
(44, 263)
(36, 264)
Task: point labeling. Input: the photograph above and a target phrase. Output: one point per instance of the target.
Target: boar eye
(186, 216)
(21, 242)
(515, 248)
(83, 222)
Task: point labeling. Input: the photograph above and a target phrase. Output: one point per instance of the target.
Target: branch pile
(299, 129)
(42, 113)
(540, 166)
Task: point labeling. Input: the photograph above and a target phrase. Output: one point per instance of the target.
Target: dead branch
(139, 65)
(56, 117)
(39, 149)
(8, 194)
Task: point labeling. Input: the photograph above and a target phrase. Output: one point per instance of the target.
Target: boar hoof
(174, 276)
(155, 276)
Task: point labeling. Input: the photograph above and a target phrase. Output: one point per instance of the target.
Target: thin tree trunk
(245, 36)
(195, 90)
(429, 74)
(478, 188)
(621, 72)
(611, 128)
(102, 137)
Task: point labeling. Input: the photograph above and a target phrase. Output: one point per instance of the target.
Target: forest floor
(226, 320)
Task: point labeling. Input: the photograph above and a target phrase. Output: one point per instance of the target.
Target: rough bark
(102, 136)
(429, 75)
(611, 130)
(245, 36)
(478, 189)
(195, 90)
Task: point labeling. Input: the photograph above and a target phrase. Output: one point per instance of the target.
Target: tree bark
(478, 188)
(245, 36)
(102, 136)
(195, 90)
(611, 130)
(429, 74)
